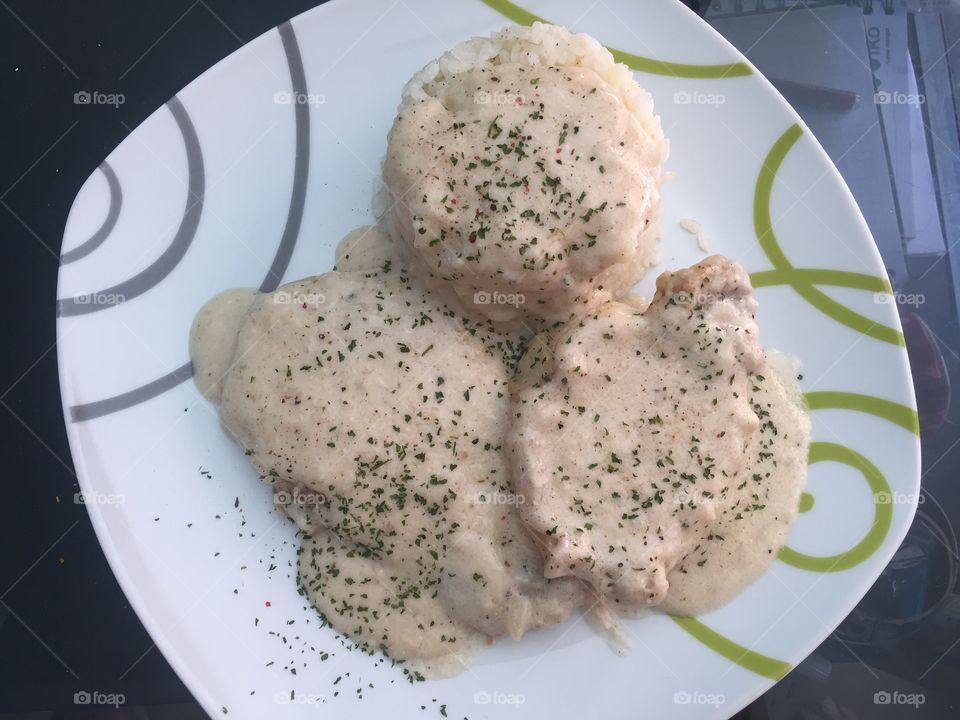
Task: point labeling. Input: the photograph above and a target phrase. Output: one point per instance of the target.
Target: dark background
(64, 623)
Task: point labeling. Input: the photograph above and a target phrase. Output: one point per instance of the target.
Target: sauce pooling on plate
(376, 414)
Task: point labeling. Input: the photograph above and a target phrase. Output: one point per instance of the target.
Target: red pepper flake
(559, 150)
(267, 604)
(304, 306)
(473, 237)
(453, 201)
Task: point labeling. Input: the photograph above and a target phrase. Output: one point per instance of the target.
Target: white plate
(252, 173)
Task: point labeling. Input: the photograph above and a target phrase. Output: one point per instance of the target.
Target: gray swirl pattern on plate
(155, 273)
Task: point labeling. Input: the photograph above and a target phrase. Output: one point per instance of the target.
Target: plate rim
(142, 607)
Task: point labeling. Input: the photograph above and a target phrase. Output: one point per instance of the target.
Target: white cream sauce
(658, 453)
(376, 414)
(662, 456)
(368, 248)
(755, 513)
(213, 338)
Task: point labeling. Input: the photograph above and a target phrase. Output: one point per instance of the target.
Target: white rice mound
(539, 45)
(546, 45)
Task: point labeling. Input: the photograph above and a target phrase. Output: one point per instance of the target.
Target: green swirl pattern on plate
(763, 665)
(804, 280)
(882, 513)
(896, 413)
(639, 63)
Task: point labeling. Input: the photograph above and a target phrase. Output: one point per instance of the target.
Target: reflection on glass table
(877, 84)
